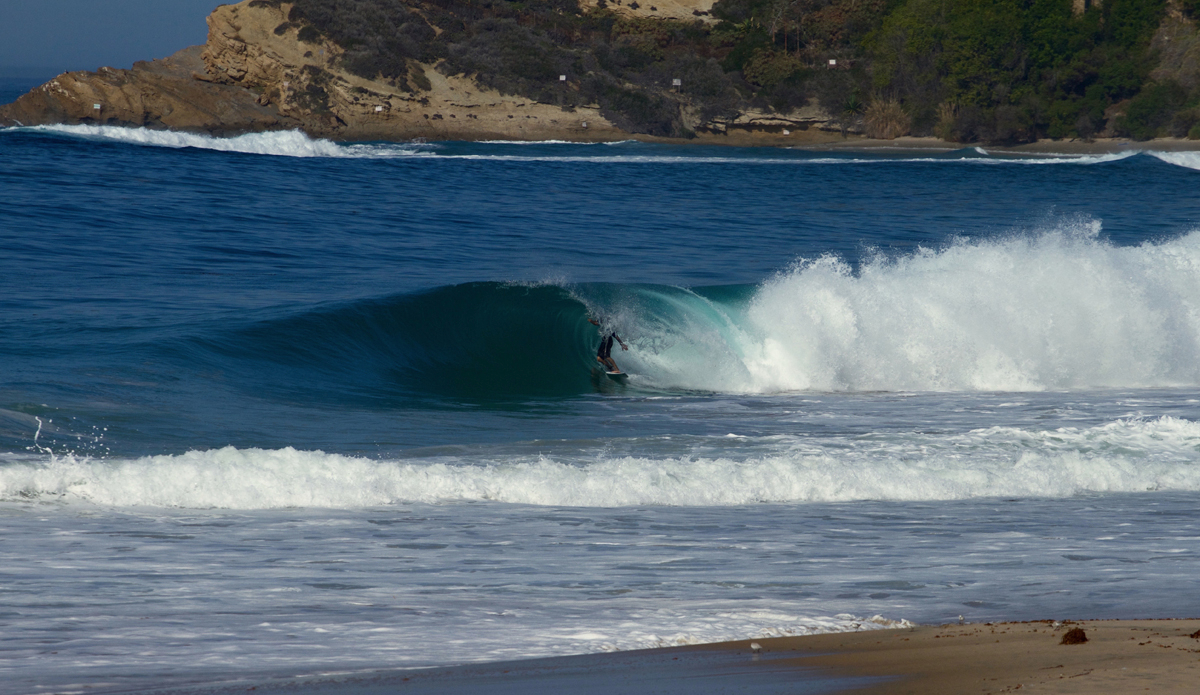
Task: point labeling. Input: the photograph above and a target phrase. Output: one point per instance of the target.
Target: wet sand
(1131, 656)
(1159, 656)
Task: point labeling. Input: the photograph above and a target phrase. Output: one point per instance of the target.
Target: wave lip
(1121, 456)
(1189, 160)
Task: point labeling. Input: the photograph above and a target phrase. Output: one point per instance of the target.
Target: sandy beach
(1161, 656)
(827, 141)
(1119, 656)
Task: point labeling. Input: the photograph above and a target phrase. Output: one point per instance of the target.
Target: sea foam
(286, 143)
(1061, 309)
(295, 143)
(1190, 160)
(1121, 456)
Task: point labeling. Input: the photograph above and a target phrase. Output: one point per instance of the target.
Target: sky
(42, 38)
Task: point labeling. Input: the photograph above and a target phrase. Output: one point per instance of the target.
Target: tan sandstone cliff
(162, 93)
(302, 81)
(249, 78)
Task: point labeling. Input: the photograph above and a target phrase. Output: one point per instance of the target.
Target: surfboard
(617, 376)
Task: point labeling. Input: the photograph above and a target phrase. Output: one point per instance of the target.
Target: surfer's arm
(622, 342)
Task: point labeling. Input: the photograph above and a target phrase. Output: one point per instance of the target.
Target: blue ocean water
(272, 403)
(11, 88)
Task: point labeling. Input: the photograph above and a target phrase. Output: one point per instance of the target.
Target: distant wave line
(295, 143)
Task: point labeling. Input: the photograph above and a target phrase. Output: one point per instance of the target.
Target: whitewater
(273, 407)
(1122, 456)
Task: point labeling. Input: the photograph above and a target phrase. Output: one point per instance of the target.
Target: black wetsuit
(606, 342)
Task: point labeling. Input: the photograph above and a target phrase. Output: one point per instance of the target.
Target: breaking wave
(1058, 310)
(1189, 160)
(285, 143)
(294, 143)
(1122, 456)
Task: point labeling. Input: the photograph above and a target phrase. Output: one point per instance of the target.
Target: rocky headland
(745, 72)
(255, 73)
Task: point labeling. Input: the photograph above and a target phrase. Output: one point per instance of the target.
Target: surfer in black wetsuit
(603, 355)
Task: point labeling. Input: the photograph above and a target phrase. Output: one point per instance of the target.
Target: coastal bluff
(260, 71)
(739, 72)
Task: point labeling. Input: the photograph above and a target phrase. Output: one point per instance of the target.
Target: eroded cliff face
(1177, 43)
(253, 46)
(256, 74)
(169, 93)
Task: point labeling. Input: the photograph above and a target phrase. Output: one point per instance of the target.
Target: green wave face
(481, 340)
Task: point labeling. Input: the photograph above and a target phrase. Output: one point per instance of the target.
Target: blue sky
(41, 38)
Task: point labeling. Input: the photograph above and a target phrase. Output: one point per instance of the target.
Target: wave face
(474, 340)
(1122, 456)
(1058, 310)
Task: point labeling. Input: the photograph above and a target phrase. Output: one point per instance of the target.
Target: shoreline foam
(822, 142)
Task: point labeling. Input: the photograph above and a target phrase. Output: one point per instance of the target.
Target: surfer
(603, 355)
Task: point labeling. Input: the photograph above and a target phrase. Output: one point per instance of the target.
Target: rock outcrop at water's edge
(170, 93)
(256, 74)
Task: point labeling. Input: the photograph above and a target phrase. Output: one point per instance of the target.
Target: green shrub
(511, 58)
(740, 44)
(638, 111)
(768, 68)
(1015, 69)
(379, 36)
(1151, 111)
(1051, 67)
(308, 34)
(787, 95)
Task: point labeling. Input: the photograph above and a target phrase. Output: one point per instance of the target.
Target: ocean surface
(274, 407)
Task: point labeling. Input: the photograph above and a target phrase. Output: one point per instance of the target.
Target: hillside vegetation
(997, 71)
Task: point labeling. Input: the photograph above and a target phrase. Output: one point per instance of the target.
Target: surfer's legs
(603, 354)
(608, 363)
